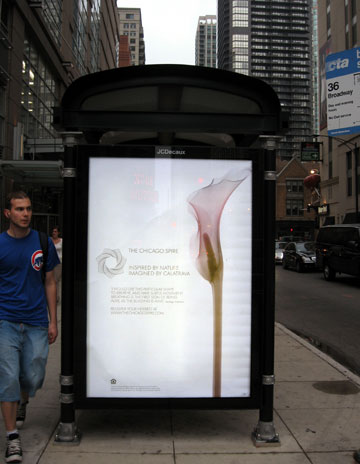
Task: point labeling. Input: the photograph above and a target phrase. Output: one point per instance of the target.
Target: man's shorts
(23, 354)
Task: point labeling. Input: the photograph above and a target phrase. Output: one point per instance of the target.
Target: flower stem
(216, 286)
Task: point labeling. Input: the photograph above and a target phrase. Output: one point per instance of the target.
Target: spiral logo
(117, 269)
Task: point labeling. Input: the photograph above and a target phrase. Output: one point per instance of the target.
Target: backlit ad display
(169, 277)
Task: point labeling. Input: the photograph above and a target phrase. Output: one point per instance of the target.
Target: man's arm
(50, 292)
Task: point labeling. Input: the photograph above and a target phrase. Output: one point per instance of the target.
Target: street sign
(343, 92)
(310, 151)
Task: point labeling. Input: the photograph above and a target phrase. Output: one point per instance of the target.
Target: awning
(38, 173)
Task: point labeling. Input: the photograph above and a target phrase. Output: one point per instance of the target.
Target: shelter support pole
(67, 431)
(264, 433)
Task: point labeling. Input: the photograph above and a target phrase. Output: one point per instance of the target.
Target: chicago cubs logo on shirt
(37, 260)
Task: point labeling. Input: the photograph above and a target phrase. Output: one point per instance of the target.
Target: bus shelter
(169, 229)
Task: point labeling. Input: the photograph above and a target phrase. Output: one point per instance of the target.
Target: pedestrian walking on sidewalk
(58, 242)
(28, 322)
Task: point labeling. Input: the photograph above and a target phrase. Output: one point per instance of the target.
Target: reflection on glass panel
(79, 34)
(2, 116)
(95, 39)
(33, 57)
(31, 77)
(26, 47)
(38, 95)
(42, 90)
(41, 69)
(52, 12)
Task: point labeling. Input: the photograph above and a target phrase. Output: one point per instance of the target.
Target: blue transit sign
(343, 92)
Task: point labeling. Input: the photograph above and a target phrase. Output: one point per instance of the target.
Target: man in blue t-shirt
(28, 321)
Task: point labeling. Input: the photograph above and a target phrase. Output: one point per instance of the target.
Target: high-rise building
(271, 40)
(131, 25)
(205, 42)
(315, 66)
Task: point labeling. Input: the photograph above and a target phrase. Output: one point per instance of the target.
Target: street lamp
(354, 149)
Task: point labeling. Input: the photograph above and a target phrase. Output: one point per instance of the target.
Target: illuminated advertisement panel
(169, 278)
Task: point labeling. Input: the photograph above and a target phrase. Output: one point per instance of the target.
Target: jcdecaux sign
(343, 92)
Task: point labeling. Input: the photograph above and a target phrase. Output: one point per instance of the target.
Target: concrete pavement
(317, 406)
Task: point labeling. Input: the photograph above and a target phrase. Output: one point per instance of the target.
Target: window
(347, 42)
(2, 117)
(353, 8)
(294, 207)
(328, 19)
(38, 94)
(349, 173)
(52, 10)
(330, 160)
(130, 16)
(79, 34)
(354, 34)
(94, 35)
(4, 14)
(295, 186)
(294, 197)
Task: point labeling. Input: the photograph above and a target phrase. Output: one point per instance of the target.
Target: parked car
(299, 256)
(338, 250)
(279, 247)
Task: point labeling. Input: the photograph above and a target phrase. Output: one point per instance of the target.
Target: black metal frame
(80, 197)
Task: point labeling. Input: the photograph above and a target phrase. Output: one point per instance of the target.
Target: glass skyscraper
(205, 42)
(272, 40)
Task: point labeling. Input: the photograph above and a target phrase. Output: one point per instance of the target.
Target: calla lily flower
(207, 206)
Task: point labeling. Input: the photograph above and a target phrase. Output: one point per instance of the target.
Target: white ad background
(150, 329)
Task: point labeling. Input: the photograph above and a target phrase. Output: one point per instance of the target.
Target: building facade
(338, 25)
(205, 42)
(272, 40)
(315, 67)
(44, 46)
(124, 51)
(131, 26)
(293, 216)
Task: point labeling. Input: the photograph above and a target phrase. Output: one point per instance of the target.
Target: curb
(339, 367)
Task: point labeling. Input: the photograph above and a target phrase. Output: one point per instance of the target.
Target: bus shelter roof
(169, 103)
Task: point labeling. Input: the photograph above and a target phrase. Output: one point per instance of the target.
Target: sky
(170, 27)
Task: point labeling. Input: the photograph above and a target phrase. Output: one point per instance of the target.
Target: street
(326, 313)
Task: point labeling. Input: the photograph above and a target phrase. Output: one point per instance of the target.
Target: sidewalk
(317, 415)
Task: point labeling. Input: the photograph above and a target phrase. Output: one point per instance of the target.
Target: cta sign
(343, 92)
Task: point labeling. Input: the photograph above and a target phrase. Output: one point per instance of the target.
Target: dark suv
(338, 250)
